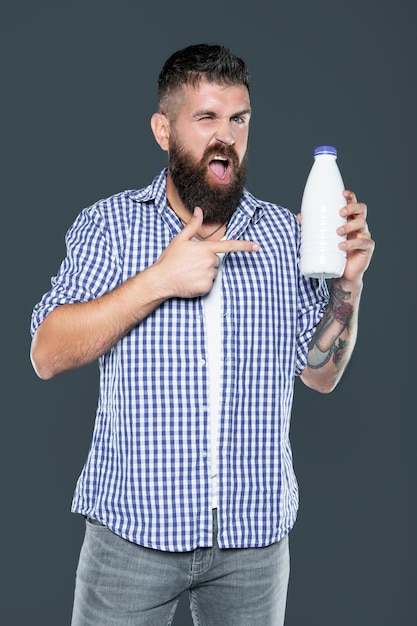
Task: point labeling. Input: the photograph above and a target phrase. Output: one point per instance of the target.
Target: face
(207, 148)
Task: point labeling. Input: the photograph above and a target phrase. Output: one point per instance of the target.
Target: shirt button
(202, 361)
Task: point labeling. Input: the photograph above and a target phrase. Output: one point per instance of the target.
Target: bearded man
(189, 294)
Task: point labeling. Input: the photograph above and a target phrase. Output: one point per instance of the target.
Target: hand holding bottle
(358, 245)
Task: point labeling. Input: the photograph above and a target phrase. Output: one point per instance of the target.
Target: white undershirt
(212, 312)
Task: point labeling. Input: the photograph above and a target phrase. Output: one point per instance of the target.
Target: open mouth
(220, 167)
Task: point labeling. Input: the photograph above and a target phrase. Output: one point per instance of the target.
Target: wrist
(353, 287)
(157, 284)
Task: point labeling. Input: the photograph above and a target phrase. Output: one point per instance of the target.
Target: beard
(190, 177)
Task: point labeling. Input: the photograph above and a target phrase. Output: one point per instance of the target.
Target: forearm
(73, 335)
(334, 339)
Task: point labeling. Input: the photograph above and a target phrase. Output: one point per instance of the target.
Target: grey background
(78, 85)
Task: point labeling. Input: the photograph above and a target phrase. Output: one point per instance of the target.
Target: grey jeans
(121, 584)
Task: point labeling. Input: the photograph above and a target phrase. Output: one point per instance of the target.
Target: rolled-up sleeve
(89, 270)
(313, 300)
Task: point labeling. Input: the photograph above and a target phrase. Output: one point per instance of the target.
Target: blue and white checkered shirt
(147, 475)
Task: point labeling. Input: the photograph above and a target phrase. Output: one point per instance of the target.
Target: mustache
(223, 150)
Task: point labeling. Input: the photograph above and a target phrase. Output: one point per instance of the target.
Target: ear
(160, 129)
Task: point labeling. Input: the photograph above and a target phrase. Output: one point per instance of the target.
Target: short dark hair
(190, 65)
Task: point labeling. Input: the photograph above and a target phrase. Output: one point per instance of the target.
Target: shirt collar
(155, 192)
(248, 209)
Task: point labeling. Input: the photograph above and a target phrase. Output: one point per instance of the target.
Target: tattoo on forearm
(326, 343)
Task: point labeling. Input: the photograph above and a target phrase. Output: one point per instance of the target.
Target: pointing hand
(188, 267)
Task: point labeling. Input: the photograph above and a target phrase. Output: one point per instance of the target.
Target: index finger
(353, 207)
(350, 196)
(232, 245)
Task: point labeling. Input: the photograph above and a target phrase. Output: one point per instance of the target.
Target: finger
(354, 209)
(190, 230)
(232, 245)
(353, 206)
(350, 196)
(362, 242)
(357, 223)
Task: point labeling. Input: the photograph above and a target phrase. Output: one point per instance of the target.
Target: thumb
(193, 225)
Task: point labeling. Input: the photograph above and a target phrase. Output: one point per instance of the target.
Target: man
(188, 292)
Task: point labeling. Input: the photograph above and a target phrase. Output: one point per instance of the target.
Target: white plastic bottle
(320, 256)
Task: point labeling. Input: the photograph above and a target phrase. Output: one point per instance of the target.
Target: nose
(224, 132)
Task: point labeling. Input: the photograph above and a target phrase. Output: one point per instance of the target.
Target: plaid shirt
(147, 474)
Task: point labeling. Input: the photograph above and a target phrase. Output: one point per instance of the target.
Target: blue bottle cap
(325, 150)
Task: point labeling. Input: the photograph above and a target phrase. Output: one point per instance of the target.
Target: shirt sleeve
(89, 270)
(313, 300)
